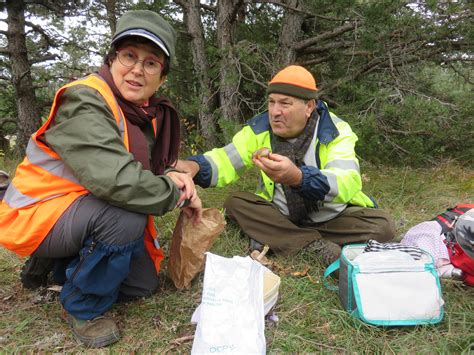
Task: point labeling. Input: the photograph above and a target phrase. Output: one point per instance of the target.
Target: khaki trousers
(262, 221)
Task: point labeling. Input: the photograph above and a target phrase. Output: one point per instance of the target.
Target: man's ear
(310, 106)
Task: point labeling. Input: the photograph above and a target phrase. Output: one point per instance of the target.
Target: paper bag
(189, 243)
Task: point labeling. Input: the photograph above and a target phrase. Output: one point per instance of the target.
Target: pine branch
(325, 36)
(181, 3)
(5, 120)
(315, 61)
(328, 47)
(47, 4)
(208, 8)
(284, 5)
(43, 58)
(43, 33)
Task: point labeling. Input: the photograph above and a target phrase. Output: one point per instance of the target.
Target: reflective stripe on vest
(41, 157)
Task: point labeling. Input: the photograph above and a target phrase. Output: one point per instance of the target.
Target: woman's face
(133, 82)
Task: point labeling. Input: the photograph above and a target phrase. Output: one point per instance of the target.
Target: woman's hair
(112, 53)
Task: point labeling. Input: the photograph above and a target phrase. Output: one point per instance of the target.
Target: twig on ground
(299, 307)
(319, 344)
(179, 341)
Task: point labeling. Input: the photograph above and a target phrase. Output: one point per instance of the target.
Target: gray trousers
(90, 217)
(262, 221)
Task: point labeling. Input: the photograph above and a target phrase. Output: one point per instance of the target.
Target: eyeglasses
(129, 58)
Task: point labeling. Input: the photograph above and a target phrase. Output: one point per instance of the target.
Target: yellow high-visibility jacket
(334, 182)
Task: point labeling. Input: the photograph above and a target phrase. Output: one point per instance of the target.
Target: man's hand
(187, 166)
(280, 169)
(185, 183)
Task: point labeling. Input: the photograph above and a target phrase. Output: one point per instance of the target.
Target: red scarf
(167, 139)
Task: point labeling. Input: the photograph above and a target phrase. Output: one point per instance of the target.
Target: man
(310, 189)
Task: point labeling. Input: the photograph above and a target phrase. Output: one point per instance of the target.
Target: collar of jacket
(327, 130)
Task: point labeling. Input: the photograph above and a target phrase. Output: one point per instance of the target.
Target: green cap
(147, 24)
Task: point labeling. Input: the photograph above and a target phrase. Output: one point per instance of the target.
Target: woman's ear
(161, 82)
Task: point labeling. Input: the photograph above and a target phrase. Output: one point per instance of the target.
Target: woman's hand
(194, 209)
(185, 183)
(189, 200)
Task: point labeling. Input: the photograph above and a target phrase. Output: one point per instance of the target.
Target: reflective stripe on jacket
(44, 187)
(337, 164)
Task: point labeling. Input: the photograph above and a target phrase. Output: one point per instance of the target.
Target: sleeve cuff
(169, 169)
(203, 177)
(314, 185)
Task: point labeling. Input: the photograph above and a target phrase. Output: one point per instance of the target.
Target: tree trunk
(207, 103)
(289, 35)
(111, 10)
(29, 118)
(228, 74)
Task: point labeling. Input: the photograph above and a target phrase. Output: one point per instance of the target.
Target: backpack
(462, 261)
(458, 257)
(447, 219)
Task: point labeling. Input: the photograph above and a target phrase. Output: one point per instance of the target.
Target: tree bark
(290, 34)
(29, 118)
(111, 10)
(228, 73)
(207, 102)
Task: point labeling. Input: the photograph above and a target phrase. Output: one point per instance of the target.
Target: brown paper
(189, 243)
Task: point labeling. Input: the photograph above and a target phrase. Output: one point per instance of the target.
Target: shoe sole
(98, 342)
(92, 342)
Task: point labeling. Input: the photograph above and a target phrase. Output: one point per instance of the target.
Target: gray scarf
(298, 207)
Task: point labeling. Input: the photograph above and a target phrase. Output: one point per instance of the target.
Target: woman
(96, 172)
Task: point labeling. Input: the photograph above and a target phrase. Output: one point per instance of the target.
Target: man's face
(288, 114)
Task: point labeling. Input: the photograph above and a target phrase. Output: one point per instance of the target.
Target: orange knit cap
(295, 81)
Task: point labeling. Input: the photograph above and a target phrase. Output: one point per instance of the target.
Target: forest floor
(311, 318)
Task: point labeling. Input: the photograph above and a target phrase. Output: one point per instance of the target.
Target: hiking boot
(95, 333)
(327, 251)
(35, 272)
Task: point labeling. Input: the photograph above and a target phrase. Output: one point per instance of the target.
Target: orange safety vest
(44, 187)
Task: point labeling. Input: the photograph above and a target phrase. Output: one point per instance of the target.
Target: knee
(119, 226)
(385, 230)
(235, 202)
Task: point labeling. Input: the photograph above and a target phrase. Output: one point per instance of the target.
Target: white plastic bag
(231, 314)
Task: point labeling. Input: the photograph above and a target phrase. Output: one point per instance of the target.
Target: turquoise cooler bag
(388, 288)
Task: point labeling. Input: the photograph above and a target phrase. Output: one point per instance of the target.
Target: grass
(310, 316)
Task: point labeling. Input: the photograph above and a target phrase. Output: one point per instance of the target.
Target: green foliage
(425, 119)
(7, 106)
(411, 105)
